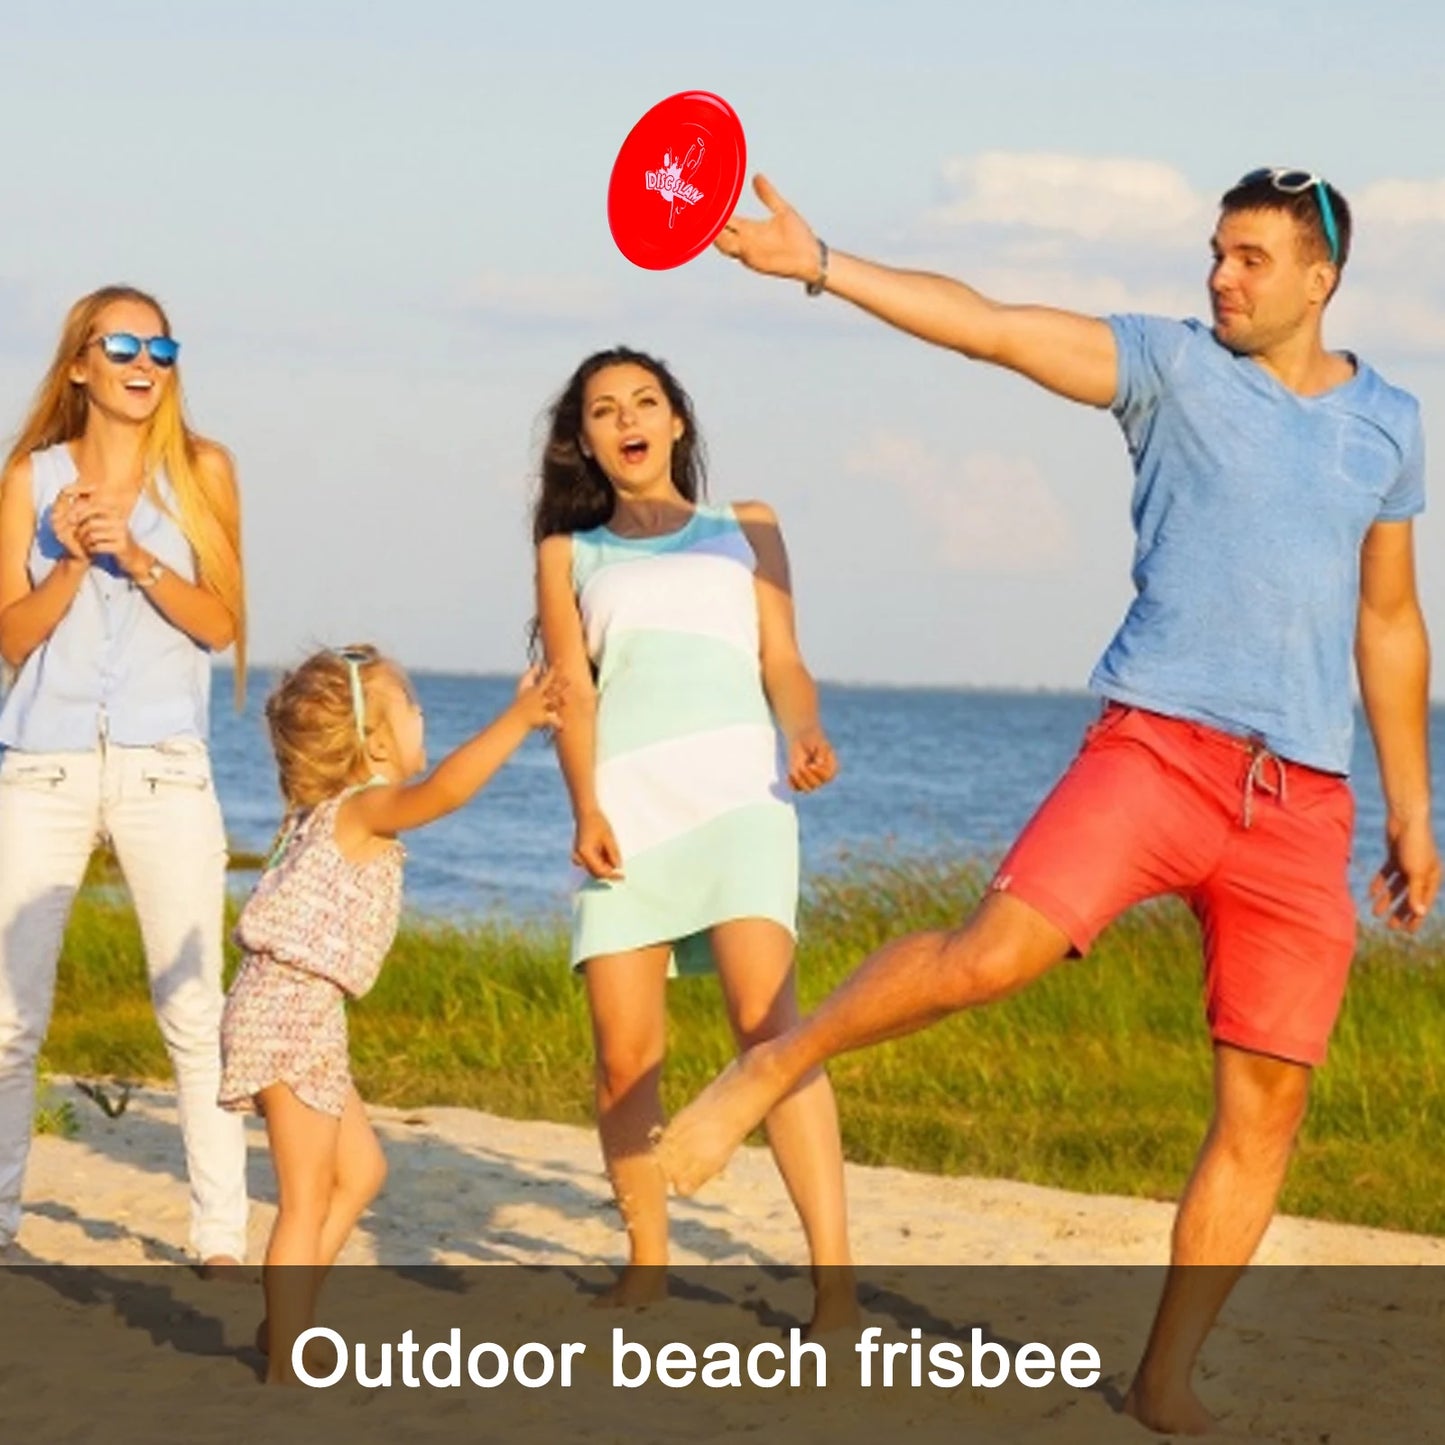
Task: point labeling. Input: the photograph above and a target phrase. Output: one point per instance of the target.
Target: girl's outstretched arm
(792, 693)
(462, 774)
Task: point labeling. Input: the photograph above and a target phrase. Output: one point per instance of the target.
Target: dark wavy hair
(573, 493)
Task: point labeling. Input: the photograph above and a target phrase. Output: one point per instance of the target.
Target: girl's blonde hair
(311, 714)
(210, 515)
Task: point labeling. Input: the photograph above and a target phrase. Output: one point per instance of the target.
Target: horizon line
(1032, 689)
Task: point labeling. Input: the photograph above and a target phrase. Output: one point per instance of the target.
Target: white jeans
(158, 806)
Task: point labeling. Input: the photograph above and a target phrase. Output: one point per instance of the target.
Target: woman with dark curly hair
(672, 621)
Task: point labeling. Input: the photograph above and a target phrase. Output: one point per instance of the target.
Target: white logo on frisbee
(670, 180)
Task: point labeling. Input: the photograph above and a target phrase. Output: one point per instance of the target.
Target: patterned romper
(316, 929)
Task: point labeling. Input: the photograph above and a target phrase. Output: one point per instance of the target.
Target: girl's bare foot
(638, 1286)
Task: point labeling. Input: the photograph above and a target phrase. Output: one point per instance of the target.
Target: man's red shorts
(1257, 847)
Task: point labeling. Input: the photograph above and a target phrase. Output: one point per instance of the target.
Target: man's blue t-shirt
(1250, 506)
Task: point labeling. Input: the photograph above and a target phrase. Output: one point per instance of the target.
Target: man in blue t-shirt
(1275, 482)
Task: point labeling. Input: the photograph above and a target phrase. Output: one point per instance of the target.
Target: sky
(381, 234)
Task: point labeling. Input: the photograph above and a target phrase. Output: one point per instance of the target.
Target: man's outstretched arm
(1070, 354)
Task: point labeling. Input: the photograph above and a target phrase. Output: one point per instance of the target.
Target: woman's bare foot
(638, 1286)
(700, 1140)
(835, 1301)
(320, 1358)
(226, 1268)
(1172, 1410)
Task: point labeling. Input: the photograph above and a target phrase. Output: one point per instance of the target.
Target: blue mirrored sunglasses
(1294, 183)
(122, 346)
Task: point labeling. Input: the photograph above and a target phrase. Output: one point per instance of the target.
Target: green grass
(1097, 1078)
(103, 870)
(53, 1115)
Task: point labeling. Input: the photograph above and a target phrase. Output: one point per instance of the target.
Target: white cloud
(1401, 203)
(1093, 293)
(1374, 317)
(1101, 235)
(984, 512)
(1074, 195)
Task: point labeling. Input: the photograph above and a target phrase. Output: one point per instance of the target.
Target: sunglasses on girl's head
(1294, 183)
(122, 346)
(355, 659)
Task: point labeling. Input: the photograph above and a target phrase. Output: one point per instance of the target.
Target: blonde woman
(120, 576)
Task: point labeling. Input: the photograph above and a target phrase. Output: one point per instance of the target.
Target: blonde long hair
(210, 514)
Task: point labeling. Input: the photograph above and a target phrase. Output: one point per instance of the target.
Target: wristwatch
(151, 575)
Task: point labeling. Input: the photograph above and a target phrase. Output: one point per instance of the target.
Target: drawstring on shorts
(1260, 758)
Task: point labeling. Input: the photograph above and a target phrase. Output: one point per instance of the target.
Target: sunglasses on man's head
(1294, 183)
(122, 346)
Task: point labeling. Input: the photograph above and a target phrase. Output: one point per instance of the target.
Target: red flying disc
(676, 180)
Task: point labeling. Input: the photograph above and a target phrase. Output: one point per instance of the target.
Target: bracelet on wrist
(819, 283)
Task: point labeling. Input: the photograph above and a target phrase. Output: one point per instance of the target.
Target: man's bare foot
(703, 1137)
(1173, 1410)
(639, 1285)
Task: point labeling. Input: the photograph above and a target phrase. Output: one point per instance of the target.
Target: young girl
(349, 741)
(672, 622)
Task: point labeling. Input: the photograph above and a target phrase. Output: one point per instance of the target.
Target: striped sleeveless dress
(688, 767)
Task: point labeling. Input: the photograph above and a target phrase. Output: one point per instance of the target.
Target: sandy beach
(1353, 1355)
(470, 1188)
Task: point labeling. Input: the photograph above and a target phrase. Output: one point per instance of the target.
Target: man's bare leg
(1227, 1205)
(903, 987)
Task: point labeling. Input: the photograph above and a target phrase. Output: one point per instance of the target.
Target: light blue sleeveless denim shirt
(113, 665)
